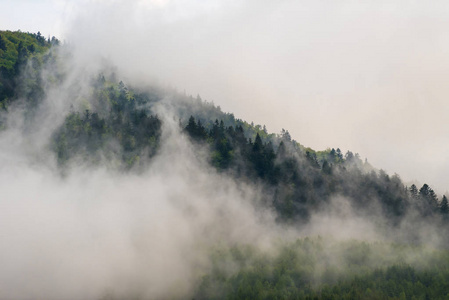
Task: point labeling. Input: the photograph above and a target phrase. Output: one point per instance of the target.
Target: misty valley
(115, 189)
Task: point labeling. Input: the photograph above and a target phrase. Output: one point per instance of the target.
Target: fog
(365, 77)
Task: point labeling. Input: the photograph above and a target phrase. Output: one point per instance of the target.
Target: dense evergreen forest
(118, 125)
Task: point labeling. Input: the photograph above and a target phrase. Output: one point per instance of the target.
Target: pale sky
(368, 76)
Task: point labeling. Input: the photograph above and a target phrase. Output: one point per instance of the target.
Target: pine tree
(339, 155)
(444, 206)
(413, 191)
(433, 198)
(327, 168)
(332, 156)
(282, 151)
(191, 127)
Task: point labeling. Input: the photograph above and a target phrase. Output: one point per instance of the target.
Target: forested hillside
(21, 57)
(119, 126)
(299, 180)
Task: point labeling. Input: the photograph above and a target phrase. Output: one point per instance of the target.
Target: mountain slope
(212, 184)
(118, 125)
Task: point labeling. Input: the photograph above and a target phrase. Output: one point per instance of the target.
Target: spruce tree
(444, 207)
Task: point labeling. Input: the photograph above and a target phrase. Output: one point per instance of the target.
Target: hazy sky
(369, 76)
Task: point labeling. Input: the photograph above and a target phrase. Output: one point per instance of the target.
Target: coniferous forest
(106, 123)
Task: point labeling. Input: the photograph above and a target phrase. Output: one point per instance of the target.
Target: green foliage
(305, 181)
(231, 150)
(16, 50)
(317, 268)
(127, 133)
